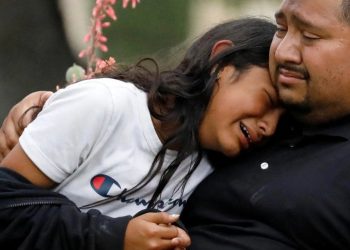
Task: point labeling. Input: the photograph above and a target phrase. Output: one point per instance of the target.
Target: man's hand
(154, 231)
(18, 118)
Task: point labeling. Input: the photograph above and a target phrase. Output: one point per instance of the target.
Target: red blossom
(95, 37)
(102, 38)
(133, 3)
(110, 12)
(103, 47)
(106, 24)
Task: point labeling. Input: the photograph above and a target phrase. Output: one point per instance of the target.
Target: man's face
(310, 59)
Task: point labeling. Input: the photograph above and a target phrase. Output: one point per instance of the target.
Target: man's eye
(281, 31)
(310, 36)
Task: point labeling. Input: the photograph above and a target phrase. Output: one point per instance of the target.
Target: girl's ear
(220, 46)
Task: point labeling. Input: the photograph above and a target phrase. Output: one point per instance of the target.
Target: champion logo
(105, 185)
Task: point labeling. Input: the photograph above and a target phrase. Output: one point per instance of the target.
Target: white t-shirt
(96, 138)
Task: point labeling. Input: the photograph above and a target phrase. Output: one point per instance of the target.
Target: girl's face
(242, 111)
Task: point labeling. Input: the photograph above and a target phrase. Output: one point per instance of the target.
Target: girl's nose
(268, 123)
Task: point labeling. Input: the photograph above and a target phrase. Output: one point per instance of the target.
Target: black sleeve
(35, 218)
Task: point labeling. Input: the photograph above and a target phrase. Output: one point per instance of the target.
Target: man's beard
(299, 110)
(305, 113)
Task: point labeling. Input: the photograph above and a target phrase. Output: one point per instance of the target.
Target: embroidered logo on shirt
(104, 185)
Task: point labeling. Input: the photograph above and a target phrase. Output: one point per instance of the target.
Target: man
(295, 192)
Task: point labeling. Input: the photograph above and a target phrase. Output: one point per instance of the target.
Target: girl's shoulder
(99, 92)
(112, 85)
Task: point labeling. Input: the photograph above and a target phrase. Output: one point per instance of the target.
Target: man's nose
(288, 49)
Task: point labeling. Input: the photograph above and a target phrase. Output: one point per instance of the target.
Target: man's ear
(220, 46)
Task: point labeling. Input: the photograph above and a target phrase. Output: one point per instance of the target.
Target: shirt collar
(339, 128)
(294, 134)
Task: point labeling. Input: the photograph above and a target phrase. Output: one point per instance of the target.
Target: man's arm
(18, 118)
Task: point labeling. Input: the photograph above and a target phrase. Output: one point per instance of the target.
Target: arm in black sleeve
(35, 218)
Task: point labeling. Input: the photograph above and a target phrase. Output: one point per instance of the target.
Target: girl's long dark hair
(181, 96)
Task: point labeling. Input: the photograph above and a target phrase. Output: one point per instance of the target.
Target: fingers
(155, 231)
(18, 118)
(21, 114)
(8, 136)
(25, 111)
(161, 218)
(143, 233)
(11, 131)
(4, 149)
(161, 224)
(182, 241)
(44, 95)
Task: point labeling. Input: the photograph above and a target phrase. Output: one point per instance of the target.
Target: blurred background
(40, 39)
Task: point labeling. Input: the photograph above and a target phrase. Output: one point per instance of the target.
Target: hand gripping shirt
(96, 138)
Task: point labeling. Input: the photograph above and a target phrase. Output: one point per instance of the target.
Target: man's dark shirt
(291, 194)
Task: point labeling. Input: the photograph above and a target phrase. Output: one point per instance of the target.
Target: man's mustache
(294, 68)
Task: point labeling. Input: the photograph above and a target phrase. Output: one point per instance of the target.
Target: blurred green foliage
(152, 26)
(155, 28)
